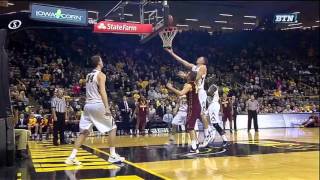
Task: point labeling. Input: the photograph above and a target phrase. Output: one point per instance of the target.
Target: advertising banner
(59, 14)
(122, 28)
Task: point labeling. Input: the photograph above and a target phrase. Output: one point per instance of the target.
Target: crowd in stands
(281, 68)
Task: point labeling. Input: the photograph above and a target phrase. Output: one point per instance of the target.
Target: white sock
(73, 153)
(206, 132)
(224, 137)
(112, 151)
(194, 144)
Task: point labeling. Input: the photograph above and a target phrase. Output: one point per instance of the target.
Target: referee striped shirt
(59, 104)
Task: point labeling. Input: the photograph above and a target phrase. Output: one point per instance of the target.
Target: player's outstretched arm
(179, 59)
(102, 90)
(184, 91)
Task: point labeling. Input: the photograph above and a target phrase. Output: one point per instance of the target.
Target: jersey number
(90, 78)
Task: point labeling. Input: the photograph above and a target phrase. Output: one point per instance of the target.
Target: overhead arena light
(317, 21)
(11, 12)
(307, 27)
(297, 12)
(149, 11)
(182, 25)
(246, 29)
(294, 24)
(221, 22)
(226, 28)
(206, 27)
(192, 20)
(92, 11)
(315, 26)
(128, 14)
(10, 4)
(25, 11)
(249, 23)
(298, 27)
(225, 14)
(252, 17)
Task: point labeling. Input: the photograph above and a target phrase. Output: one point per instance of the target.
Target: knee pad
(218, 128)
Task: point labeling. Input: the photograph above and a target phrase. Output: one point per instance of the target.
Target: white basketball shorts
(180, 118)
(94, 114)
(213, 111)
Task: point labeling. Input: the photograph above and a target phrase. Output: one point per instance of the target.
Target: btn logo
(286, 18)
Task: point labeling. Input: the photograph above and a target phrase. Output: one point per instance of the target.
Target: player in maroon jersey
(194, 107)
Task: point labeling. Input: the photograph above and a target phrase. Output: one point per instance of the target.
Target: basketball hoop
(167, 35)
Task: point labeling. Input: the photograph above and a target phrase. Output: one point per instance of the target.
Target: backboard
(143, 12)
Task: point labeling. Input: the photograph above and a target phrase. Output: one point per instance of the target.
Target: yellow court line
(70, 168)
(50, 165)
(130, 177)
(132, 164)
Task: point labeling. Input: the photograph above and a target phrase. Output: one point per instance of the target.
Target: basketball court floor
(290, 153)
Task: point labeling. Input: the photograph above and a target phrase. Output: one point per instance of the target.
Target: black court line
(155, 153)
(128, 168)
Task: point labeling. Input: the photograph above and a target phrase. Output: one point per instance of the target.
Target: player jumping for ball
(213, 111)
(194, 108)
(96, 112)
(201, 70)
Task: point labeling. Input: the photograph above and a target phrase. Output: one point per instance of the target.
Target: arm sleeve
(53, 103)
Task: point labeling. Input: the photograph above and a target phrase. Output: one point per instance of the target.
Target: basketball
(170, 20)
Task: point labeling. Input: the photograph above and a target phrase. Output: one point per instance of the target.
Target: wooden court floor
(291, 154)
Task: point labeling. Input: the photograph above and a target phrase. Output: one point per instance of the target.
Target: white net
(167, 35)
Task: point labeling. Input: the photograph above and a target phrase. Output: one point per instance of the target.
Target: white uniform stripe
(59, 104)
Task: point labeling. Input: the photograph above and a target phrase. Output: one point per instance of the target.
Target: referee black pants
(59, 126)
(252, 115)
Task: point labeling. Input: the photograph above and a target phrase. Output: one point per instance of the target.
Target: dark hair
(205, 60)
(95, 60)
(192, 76)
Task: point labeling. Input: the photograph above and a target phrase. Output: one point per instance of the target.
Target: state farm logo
(14, 24)
(102, 26)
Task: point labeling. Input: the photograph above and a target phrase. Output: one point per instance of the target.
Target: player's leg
(211, 114)
(230, 122)
(208, 134)
(214, 119)
(179, 119)
(191, 121)
(194, 141)
(85, 125)
(105, 124)
(40, 132)
(224, 120)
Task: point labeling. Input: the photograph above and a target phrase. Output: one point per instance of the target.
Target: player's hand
(108, 112)
(181, 74)
(169, 85)
(54, 118)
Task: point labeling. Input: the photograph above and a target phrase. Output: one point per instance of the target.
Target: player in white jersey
(213, 111)
(201, 70)
(96, 112)
(180, 117)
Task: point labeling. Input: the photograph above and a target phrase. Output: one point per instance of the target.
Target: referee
(252, 108)
(58, 107)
